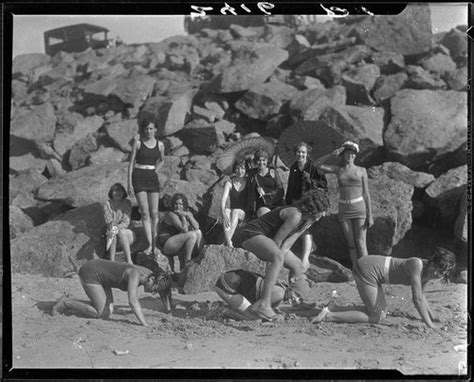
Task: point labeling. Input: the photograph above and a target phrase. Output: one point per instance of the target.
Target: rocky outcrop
(19, 222)
(39, 123)
(401, 173)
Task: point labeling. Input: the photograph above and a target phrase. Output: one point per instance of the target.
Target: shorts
(240, 282)
(355, 210)
(145, 180)
(241, 235)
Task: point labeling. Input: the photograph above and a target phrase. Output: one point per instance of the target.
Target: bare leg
(235, 216)
(185, 240)
(112, 249)
(142, 200)
(153, 199)
(125, 238)
(360, 235)
(306, 250)
(349, 235)
(262, 211)
(294, 264)
(199, 241)
(227, 231)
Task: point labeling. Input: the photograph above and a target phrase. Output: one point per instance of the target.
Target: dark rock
(418, 78)
(387, 86)
(306, 82)
(19, 222)
(401, 173)
(324, 269)
(389, 62)
(201, 137)
(359, 82)
(59, 247)
(425, 124)
(81, 151)
(456, 41)
(311, 103)
(37, 124)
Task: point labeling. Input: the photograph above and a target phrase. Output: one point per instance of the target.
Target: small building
(75, 38)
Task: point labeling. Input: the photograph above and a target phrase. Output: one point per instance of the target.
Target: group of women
(269, 230)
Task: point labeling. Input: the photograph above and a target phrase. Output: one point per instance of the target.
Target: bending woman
(117, 215)
(146, 158)
(304, 176)
(355, 210)
(99, 276)
(236, 191)
(271, 237)
(373, 271)
(179, 231)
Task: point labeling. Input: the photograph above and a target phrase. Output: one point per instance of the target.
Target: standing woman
(373, 271)
(117, 215)
(355, 210)
(146, 159)
(236, 190)
(271, 236)
(179, 230)
(304, 176)
(266, 192)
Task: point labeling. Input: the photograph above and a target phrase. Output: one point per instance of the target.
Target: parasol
(318, 135)
(243, 149)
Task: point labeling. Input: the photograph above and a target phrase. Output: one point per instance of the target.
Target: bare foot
(306, 265)
(265, 313)
(59, 307)
(323, 313)
(147, 251)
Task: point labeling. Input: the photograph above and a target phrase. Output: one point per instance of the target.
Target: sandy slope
(196, 335)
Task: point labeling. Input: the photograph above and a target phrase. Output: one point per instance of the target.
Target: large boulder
(445, 195)
(201, 275)
(122, 133)
(419, 78)
(440, 64)
(36, 124)
(387, 86)
(106, 155)
(408, 33)
(27, 162)
(401, 173)
(425, 124)
(19, 222)
(59, 247)
(252, 64)
(457, 80)
(168, 113)
(195, 193)
(359, 83)
(265, 100)
(134, 90)
(26, 63)
(457, 43)
(84, 186)
(28, 182)
(389, 62)
(201, 137)
(324, 269)
(311, 103)
(81, 151)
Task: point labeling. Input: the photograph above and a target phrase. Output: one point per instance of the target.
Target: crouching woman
(370, 272)
(99, 276)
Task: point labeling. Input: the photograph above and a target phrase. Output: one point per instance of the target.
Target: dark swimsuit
(376, 270)
(109, 274)
(238, 199)
(165, 232)
(266, 225)
(143, 179)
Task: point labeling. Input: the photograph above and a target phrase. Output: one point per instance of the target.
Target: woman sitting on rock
(271, 236)
(146, 158)
(117, 215)
(236, 191)
(99, 276)
(179, 231)
(355, 210)
(373, 271)
(265, 191)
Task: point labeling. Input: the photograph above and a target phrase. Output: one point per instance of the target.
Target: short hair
(260, 153)
(239, 163)
(302, 144)
(352, 146)
(144, 124)
(118, 187)
(444, 261)
(313, 202)
(178, 196)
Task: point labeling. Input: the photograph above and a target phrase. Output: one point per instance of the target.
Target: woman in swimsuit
(271, 237)
(99, 276)
(117, 213)
(355, 210)
(145, 160)
(236, 190)
(179, 231)
(304, 176)
(266, 191)
(373, 271)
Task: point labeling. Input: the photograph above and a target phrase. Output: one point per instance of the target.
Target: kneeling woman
(271, 236)
(99, 276)
(373, 271)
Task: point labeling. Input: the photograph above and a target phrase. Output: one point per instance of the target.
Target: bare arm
(419, 299)
(366, 195)
(126, 215)
(192, 220)
(174, 219)
(133, 283)
(107, 215)
(161, 148)
(133, 155)
(324, 168)
(225, 196)
(292, 218)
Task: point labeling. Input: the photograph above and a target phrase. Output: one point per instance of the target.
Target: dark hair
(144, 124)
(313, 202)
(118, 187)
(239, 163)
(302, 144)
(178, 196)
(444, 262)
(260, 153)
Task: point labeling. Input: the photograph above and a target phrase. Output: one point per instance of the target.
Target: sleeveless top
(349, 181)
(238, 199)
(147, 156)
(267, 224)
(397, 273)
(109, 274)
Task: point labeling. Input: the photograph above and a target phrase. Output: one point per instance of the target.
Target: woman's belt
(351, 201)
(144, 166)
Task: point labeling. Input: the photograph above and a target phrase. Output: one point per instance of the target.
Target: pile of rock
(383, 81)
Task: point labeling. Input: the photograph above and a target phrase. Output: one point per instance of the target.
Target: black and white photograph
(235, 187)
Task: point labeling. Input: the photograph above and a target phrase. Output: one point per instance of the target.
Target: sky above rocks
(28, 29)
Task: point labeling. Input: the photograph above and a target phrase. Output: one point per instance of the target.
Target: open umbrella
(318, 135)
(244, 149)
